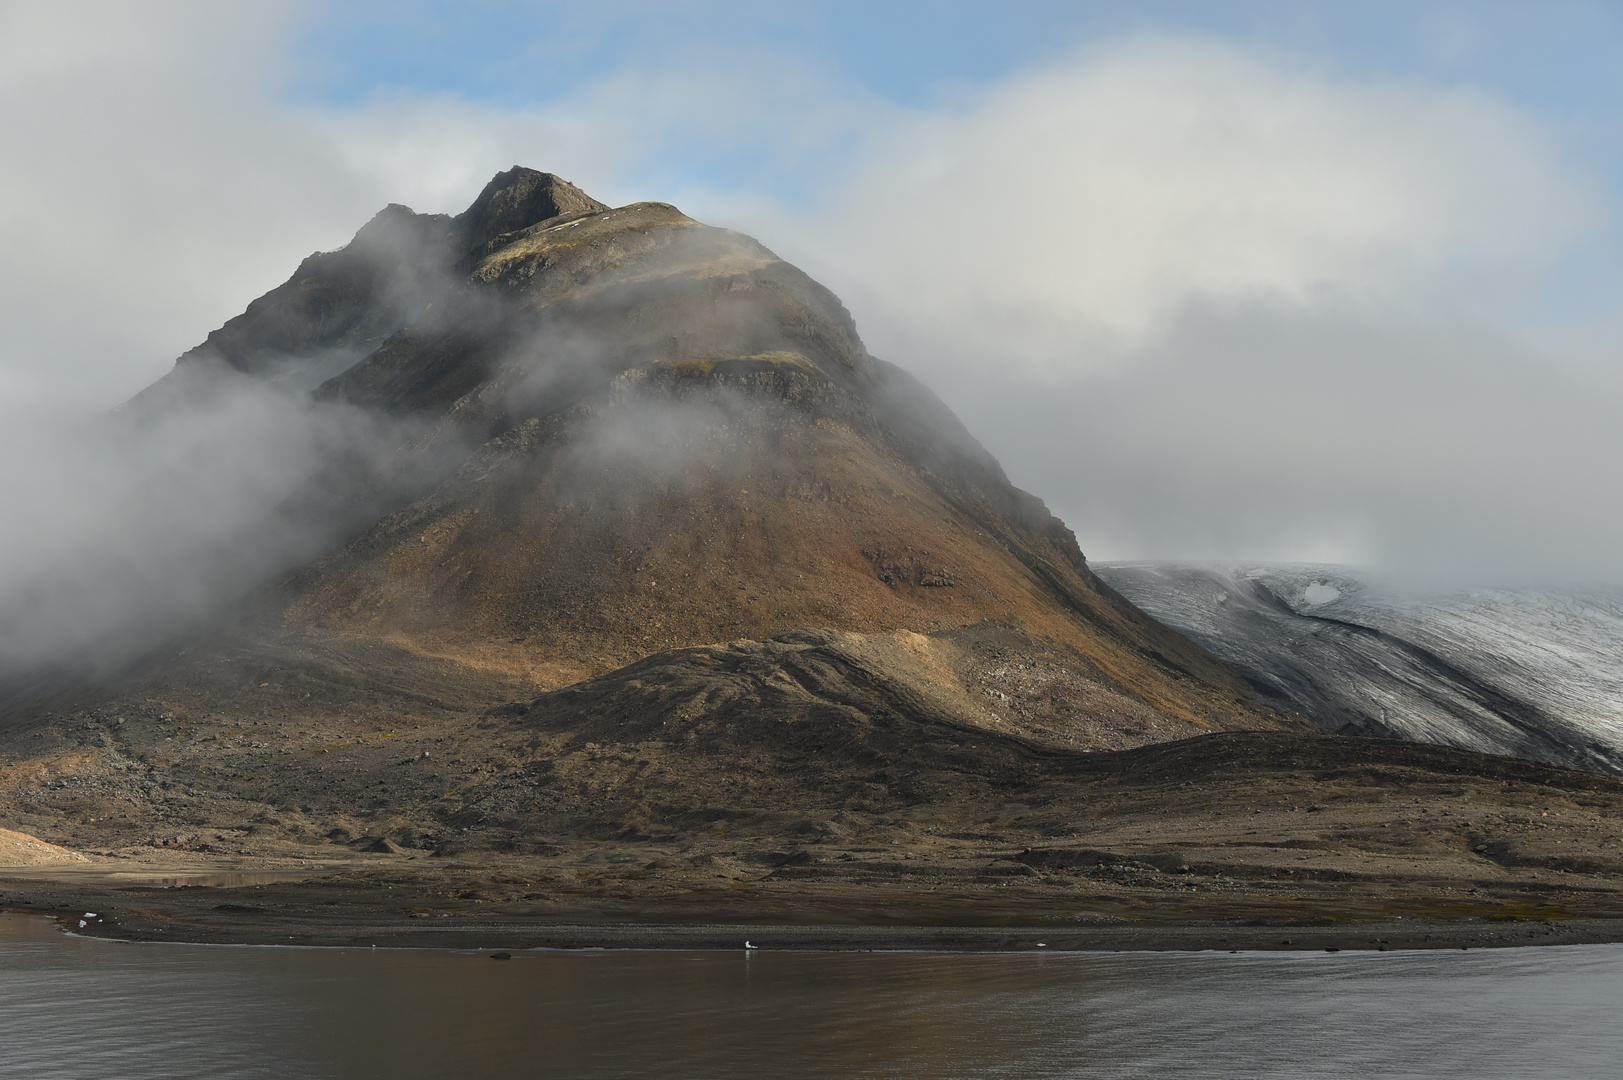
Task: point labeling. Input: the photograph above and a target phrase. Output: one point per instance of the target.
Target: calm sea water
(83, 1009)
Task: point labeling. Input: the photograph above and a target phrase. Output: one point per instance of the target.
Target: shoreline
(1224, 842)
(578, 931)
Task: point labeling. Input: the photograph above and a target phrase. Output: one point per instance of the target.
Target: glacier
(1532, 672)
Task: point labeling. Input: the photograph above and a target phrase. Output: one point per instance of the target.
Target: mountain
(628, 431)
(596, 437)
(607, 572)
(679, 439)
(1533, 672)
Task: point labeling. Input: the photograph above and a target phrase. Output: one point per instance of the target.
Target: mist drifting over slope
(119, 530)
(370, 376)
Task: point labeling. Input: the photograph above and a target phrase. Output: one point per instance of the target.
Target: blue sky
(1218, 280)
(1561, 60)
(1557, 57)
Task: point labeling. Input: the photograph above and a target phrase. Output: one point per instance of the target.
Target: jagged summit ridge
(340, 305)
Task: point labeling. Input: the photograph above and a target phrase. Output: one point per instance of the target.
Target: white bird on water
(747, 945)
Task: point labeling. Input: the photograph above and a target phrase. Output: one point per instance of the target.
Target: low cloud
(1215, 305)
(1431, 449)
(1065, 217)
(121, 530)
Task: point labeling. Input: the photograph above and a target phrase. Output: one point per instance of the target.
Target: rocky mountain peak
(620, 431)
(517, 199)
(399, 230)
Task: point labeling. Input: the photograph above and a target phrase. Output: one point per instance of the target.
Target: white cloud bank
(1207, 302)
(1084, 205)
(147, 189)
(1215, 305)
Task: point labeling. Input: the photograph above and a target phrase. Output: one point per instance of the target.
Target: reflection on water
(83, 1009)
